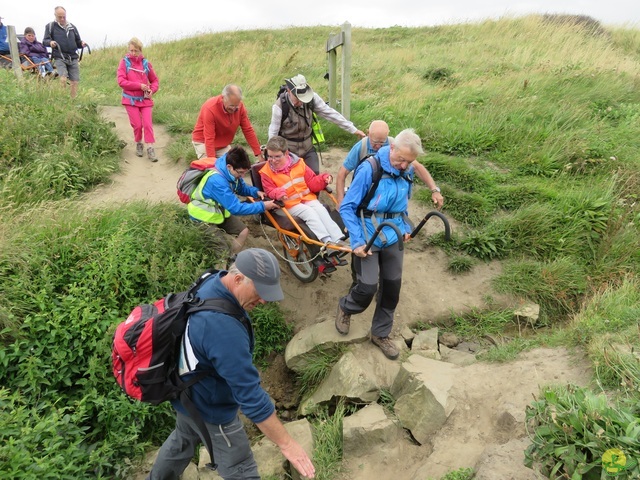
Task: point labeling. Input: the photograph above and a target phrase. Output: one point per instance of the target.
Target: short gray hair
(409, 139)
(232, 89)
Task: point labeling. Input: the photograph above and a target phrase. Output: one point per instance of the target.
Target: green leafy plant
(272, 332)
(574, 431)
(460, 264)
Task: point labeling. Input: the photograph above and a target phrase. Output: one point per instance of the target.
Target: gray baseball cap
(262, 268)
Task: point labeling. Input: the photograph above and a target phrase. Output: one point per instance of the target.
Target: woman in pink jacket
(139, 82)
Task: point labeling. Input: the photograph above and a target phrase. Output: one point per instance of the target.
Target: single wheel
(299, 261)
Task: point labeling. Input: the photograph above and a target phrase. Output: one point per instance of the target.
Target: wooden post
(333, 70)
(335, 40)
(15, 53)
(346, 70)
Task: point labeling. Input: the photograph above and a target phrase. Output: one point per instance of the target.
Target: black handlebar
(447, 229)
(378, 229)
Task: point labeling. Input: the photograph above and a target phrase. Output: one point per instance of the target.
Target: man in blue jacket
(214, 202)
(220, 342)
(380, 269)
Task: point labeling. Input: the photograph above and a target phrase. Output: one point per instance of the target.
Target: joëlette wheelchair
(306, 256)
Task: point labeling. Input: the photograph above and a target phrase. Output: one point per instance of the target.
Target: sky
(113, 22)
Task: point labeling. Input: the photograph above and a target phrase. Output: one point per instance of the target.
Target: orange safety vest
(293, 183)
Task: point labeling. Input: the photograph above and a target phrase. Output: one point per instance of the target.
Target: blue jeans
(231, 451)
(46, 64)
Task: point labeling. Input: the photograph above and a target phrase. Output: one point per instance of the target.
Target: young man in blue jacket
(221, 343)
(214, 202)
(380, 269)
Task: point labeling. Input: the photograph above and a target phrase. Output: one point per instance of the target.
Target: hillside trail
(429, 294)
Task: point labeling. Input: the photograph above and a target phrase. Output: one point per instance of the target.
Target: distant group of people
(64, 40)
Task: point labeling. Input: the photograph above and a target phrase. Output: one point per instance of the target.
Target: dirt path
(429, 292)
(139, 178)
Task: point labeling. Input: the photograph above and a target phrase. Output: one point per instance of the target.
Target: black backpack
(377, 175)
(146, 350)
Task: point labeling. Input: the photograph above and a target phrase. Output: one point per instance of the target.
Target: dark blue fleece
(222, 342)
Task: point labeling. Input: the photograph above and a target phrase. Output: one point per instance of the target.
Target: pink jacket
(130, 81)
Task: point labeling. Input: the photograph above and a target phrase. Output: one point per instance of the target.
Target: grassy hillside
(531, 128)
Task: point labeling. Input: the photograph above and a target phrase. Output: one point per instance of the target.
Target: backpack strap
(375, 179)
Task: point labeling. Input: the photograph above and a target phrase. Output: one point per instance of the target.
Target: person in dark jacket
(64, 39)
(218, 342)
(36, 52)
(4, 45)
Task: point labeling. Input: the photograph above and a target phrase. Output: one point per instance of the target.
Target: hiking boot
(386, 345)
(151, 153)
(139, 149)
(343, 321)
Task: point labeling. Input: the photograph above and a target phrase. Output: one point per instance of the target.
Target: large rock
(321, 335)
(505, 462)
(527, 314)
(367, 429)
(456, 357)
(425, 343)
(422, 390)
(349, 379)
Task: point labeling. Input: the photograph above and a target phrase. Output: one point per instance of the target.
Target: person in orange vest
(286, 177)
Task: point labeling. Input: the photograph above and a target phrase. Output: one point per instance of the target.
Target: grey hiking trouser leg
(312, 161)
(231, 450)
(381, 271)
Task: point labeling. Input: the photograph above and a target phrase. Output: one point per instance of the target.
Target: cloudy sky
(113, 22)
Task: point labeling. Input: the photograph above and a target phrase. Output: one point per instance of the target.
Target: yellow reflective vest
(206, 210)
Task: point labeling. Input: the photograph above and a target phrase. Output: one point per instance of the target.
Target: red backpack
(190, 178)
(146, 349)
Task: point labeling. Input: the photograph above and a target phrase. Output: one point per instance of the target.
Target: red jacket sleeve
(209, 125)
(248, 131)
(316, 183)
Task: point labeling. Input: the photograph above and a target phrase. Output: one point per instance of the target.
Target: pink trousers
(141, 119)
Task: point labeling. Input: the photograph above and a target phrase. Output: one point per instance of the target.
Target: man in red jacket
(218, 123)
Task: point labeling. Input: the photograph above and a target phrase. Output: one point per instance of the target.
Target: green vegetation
(460, 474)
(327, 454)
(574, 431)
(531, 129)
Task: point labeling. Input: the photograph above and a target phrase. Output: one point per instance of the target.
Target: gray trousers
(380, 272)
(231, 451)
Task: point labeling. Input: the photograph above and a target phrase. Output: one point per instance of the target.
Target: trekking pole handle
(379, 229)
(447, 227)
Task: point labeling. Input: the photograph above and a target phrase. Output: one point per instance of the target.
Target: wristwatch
(435, 189)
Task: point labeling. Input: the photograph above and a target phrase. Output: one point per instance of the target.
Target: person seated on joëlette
(36, 51)
(286, 177)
